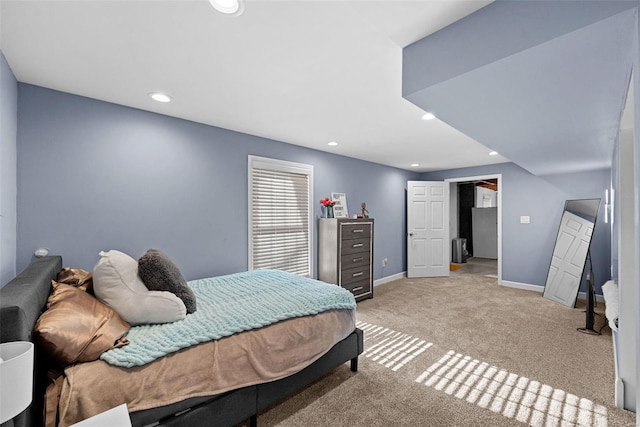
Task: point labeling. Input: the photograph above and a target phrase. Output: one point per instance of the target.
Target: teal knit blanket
(228, 305)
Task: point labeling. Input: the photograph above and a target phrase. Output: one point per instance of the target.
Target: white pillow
(117, 284)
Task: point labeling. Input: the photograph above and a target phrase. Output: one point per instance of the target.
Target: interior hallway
(480, 266)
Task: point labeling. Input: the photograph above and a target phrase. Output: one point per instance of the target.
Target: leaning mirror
(571, 250)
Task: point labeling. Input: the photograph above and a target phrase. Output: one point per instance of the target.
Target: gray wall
(636, 84)
(95, 176)
(626, 218)
(615, 231)
(8, 186)
(628, 187)
(527, 248)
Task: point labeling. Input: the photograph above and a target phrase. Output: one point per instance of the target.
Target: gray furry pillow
(159, 273)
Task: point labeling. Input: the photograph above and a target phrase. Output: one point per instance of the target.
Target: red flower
(327, 202)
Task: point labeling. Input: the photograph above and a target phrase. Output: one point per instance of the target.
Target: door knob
(410, 234)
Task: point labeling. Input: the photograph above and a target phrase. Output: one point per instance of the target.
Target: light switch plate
(525, 219)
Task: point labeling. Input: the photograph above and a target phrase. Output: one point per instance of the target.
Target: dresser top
(347, 219)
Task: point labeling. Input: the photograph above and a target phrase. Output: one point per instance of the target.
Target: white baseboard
(519, 285)
(388, 279)
(583, 295)
(539, 288)
(618, 390)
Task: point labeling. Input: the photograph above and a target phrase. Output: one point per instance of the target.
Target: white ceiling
(302, 72)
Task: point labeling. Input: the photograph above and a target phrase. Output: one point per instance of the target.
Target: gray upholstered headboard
(22, 300)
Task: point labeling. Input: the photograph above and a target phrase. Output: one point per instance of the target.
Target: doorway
(462, 225)
(478, 266)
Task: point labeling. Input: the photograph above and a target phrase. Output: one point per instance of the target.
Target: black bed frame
(22, 301)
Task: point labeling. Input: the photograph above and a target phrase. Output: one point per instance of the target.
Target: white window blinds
(280, 215)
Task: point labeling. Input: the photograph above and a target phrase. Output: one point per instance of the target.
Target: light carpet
(463, 351)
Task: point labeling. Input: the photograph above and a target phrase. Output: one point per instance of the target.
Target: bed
(23, 299)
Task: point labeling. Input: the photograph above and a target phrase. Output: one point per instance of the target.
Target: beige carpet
(463, 351)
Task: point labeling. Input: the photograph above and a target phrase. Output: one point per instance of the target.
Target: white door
(567, 263)
(428, 247)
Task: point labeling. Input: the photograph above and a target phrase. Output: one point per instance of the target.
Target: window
(280, 215)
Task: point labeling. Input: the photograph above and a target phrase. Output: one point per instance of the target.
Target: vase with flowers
(327, 207)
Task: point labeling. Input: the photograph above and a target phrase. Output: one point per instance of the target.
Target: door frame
(497, 176)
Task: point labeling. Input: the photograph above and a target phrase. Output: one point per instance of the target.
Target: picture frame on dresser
(340, 209)
(345, 254)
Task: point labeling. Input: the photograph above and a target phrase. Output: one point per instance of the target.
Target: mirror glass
(571, 249)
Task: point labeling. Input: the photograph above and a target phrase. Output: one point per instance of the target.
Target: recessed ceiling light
(332, 143)
(428, 116)
(228, 7)
(493, 153)
(160, 97)
(415, 165)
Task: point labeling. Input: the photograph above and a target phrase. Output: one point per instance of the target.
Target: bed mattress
(207, 369)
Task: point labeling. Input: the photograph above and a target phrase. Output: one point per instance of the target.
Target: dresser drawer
(359, 288)
(355, 231)
(357, 274)
(356, 246)
(355, 260)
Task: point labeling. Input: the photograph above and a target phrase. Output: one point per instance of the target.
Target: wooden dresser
(345, 254)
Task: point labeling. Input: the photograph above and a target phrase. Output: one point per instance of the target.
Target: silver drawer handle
(359, 245)
(359, 288)
(358, 259)
(358, 231)
(357, 274)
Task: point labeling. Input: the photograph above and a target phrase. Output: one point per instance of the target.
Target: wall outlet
(384, 262)
(525, 219)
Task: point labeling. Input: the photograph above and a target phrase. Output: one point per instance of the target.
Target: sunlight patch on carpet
(390, 348)
(509, 394)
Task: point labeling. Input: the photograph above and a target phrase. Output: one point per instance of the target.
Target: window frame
(270, 164)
